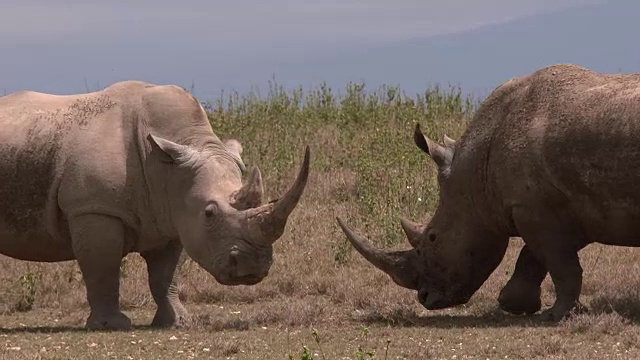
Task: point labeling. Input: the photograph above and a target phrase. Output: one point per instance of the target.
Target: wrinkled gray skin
(552, 157)
(132, 168)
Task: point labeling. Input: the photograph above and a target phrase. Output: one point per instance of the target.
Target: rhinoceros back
(570, 137)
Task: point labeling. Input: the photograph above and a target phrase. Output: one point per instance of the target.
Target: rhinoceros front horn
(399, 265)
(266, 223)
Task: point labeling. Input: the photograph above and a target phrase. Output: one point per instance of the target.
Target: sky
(67, 46)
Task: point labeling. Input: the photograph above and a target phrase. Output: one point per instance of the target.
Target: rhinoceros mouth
(435, 300)
(240, 280)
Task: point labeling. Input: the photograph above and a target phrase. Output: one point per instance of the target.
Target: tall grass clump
(361, 140)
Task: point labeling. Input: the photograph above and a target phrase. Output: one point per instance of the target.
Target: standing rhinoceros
(552, 157)
(132, 168)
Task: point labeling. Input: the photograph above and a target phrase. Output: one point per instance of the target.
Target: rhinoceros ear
(440, 154)
(234, 147)
(172, 152)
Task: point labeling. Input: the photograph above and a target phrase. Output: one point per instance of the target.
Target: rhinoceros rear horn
(412, 230)
(250, 194)
(397, 264)
(267, 222)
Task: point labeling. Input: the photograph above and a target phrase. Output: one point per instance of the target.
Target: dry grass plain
(321, 295)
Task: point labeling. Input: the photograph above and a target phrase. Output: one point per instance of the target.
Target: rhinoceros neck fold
(473, 175)
(151, 192)
(216, 150)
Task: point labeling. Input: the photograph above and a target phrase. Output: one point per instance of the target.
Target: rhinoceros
(135, 167)
(552, 157)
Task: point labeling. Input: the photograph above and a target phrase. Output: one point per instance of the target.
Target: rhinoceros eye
(432, 237)
(210, 211)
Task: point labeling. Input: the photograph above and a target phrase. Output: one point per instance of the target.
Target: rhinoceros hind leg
(521, 294)
(555, 241)
(162, 265)
(97, 245)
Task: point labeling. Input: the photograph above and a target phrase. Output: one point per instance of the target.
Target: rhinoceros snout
(432, 300)
(422, 296)
(251, 279)
(231, 280)
(435, 300)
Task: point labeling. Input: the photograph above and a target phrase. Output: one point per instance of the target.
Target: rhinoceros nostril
(233, 257)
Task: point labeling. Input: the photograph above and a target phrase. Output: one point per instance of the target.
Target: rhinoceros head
(453, 254)
(221, 222)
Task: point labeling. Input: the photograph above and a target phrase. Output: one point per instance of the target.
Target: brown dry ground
(370, 173)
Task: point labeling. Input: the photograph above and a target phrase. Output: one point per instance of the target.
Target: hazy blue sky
(58, 45)
(230, 25)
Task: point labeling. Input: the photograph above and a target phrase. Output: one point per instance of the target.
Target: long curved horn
(285, 205)
(267, 222)
(399, 265)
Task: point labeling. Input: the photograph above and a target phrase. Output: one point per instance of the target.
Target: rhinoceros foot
(114, 321)
(171, 315)
(563, 310)
(520, 297)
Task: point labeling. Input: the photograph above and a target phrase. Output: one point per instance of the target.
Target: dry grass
(366, 169)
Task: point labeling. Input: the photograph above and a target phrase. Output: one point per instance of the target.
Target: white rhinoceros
(552, 157)
(132, 168)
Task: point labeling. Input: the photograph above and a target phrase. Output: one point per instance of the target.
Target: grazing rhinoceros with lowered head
(552, 157)
(132, 168)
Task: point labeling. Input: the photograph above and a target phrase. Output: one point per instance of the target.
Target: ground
(264, 323)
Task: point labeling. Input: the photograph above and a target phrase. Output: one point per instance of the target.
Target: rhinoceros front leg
(521, 294)
(97, 245)
(555, 243)
(161, 265)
